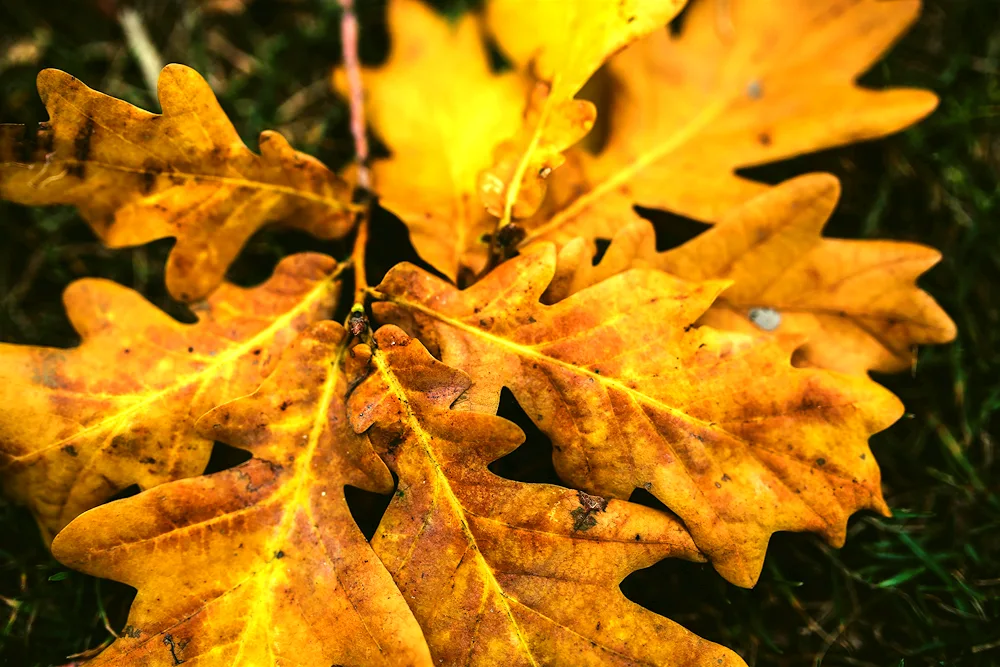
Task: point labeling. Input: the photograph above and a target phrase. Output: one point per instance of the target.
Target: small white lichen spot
(767, 319)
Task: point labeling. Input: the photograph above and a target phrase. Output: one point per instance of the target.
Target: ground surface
(920, 589)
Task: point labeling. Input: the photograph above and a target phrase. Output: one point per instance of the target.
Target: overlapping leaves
(81, 424)
(632, 396)
(262, 563)
(851, 306)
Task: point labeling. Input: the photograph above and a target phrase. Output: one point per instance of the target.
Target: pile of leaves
(726, 377)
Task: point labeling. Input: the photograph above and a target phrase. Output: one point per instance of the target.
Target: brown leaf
(137, 177)
(855, 303)
(498, 571)
(719, 426)
(261, 564)
(745, 83)
(78, 425)
(562, 44)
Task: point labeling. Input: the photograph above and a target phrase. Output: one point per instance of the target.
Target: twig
(362, 194)
(352, 66)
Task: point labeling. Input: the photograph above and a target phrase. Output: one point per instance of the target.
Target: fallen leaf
(261, 564)
(498, 571)
(719, 426)
(562, 44)
(855, 303)
(744, 84)
(441, 110)
(137, 177)
(81, 424)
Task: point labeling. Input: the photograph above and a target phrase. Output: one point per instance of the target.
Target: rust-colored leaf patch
(851, 306)
(496, 571)
(137, 177)
(719, 426)
(261, 564)
(81, 424)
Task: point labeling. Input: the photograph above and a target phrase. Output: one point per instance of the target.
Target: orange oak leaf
(745, 83)
(78, 425)
(719, 426)
(441, 111)
(562, 44)
(261, 564)
(498, 571)
(137, 177)
(855, 303)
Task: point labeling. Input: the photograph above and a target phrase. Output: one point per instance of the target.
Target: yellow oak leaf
(855, 303)
(441, 110)
(78, 425)
(745, 83)
(261, 564)
(719, 426)
(562, 44)
(498, 571)
(137, 177)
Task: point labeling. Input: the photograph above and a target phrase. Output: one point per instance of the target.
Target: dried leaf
(81, 424)
(137, 177)
(855, 302)
(261, 564)
(719, 426)
(745, 83)
(562, 44)
(441, 111)
(498, 571)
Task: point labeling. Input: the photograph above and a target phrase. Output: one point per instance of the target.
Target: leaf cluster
(726, 377)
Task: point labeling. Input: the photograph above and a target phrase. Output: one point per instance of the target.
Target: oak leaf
(719, 426)
(745, 83)
(498, 571)
(80, 424)
(261, 564)
(855, 303)
(441, 111)
(562, 44)
(137, 177)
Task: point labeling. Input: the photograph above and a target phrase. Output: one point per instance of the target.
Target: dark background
(922, 588)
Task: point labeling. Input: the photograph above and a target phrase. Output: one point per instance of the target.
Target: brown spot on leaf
(583, 516)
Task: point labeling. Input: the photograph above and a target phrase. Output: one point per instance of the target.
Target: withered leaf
(77, 425)
(498, 571)
(562, 44)
(745, 83)
(719, 426)
(854, 303)
(137, 177)
(261, 564)
(441, 130)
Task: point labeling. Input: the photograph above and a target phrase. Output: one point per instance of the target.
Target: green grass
(922, 588)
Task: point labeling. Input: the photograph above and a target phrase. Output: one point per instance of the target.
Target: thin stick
(352, 65)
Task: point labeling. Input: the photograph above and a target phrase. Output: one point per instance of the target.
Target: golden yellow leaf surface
(855, 303)
(745, 83)
(78, 425)
(261, 564)
(498, 571)
(137, 177)
(441, 111)
(562, 44)
(719, 426)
